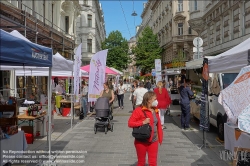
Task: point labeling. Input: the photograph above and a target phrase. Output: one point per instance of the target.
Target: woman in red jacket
(163, 100)
(137, 119)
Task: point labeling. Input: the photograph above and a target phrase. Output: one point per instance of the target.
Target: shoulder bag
(143, 132)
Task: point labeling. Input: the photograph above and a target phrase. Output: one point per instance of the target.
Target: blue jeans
(84, 106)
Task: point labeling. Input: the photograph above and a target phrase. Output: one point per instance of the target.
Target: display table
(234, 138)
(30, 120)
(16, 142)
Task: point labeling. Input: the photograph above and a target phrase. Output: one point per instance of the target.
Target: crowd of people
(150, 102)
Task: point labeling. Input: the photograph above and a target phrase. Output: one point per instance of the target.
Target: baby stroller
(103, 114)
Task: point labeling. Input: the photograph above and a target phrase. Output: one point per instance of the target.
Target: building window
(180, 5)
(85, 2)
(195, 5)
(89, 45)
(66, 24)
(89, 20)
(180, 28)
(20, 4)
(189, 30)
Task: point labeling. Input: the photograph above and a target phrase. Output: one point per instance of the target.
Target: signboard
(198, 42)
(158, 77)
(157, 65)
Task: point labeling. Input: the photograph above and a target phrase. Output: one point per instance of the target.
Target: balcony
(41, 32)
(183, 38)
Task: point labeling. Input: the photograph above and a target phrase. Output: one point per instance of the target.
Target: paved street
(116, 148)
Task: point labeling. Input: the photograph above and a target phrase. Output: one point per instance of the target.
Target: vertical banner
(77, 65)
(158, 76)
(157, 65)
(97, 75)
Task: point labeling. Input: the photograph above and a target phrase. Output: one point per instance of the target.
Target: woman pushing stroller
(107, 92)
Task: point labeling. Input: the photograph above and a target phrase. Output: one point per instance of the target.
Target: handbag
(142, 133)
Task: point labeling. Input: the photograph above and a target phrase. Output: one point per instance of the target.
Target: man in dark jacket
(185, 94)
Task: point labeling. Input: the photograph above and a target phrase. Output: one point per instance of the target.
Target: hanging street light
(134, 14)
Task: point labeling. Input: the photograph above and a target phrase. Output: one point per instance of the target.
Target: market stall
(18, 52)
(231, 61)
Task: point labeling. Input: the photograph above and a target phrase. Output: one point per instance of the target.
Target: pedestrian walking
(152, 118)
(185, 94)
(134, 87)
(107, 92)
(163, 99)
(120, 95)
(138, 94)
(84, 99)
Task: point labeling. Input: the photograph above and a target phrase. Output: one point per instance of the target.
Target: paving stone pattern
(117, 148)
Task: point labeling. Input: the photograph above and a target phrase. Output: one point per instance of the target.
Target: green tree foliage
(117, 50)
(147, 50)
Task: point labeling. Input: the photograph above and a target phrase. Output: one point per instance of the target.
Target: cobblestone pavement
(117, 148)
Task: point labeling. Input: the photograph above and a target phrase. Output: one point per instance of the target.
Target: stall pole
(72, 96)
(25, 22)
(49, 112)
(15, 83)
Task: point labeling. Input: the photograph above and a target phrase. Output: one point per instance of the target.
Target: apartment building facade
(90, 28)
(169, 20)
(48, 23)
(221, 24)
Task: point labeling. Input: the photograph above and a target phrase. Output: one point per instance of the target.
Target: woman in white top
(121, 90)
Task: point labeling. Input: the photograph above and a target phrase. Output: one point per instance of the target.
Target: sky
(114, 16)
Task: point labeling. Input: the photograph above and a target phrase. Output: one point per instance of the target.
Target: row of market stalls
(224, 83)
(25, 58)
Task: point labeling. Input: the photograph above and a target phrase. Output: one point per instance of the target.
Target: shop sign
(175, 65)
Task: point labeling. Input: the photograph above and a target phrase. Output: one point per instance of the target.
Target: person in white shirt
(120, 95)
(138, 94)
(59, 88)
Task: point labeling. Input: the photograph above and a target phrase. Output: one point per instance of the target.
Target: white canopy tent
(60, 67)
(232, 60)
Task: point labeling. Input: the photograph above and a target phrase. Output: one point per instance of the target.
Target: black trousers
(120, 100)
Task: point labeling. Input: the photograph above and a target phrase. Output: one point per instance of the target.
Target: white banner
(77, 76)
(157, 65)
(97, 75)
(158, 77)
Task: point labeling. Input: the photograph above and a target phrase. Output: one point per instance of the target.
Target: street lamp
(134, 14)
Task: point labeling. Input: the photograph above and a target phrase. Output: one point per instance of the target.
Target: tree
(147, 50)
(117, 50)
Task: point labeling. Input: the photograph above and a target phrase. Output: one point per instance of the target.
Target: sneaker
(164, 127)
(189, 129)
(122, 107)
(119, 107)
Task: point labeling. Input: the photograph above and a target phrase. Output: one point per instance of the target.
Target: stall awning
(232, 60)
(16, 51)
